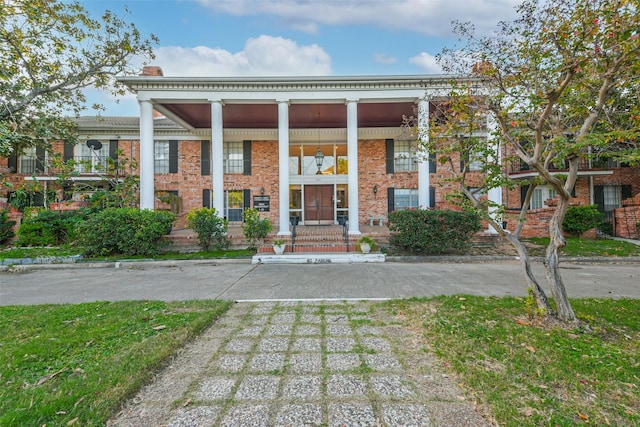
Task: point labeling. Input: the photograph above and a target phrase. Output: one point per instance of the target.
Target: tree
(50, 50)
(559, 82)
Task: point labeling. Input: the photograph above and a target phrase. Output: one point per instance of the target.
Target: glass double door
(318, 204)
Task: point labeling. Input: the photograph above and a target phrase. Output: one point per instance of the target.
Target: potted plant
(278, 246)
(367, 244)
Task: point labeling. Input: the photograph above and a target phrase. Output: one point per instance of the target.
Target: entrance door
(318, 204)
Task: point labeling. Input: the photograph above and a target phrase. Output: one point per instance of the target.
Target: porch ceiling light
(319, 159)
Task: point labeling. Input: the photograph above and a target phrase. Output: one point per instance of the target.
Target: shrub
(254, 227)
(210, 228)
(125, 231)
(581, 218)
(6, 227)
(46, 228)
(432, 231)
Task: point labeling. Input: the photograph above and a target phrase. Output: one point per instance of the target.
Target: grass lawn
(522, 373)
(577, 247)
(75, 364)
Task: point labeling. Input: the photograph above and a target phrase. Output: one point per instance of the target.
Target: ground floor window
(540, 195)
(233, 204)
(405, 198)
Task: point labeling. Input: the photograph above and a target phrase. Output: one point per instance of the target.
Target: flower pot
(365, 248)
(279, 249)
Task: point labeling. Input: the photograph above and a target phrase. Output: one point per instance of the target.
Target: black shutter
(246, 196)
(432, 197)
(206, 198)
(113, 149)
(432, 162)
(598, 197)
(626, 192)
(573, 191)
(40, 157)
(246, 157)
(389, 156)
(205, 157)
(68, 152)
(523, 194)
(464, 159)
(391, 200)
(13, 161)
(173, 156)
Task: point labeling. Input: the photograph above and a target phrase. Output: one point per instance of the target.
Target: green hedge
(6, 227)
(125, 231)
(210, 228)
(47, 228)
(432, 231)
(579, 219)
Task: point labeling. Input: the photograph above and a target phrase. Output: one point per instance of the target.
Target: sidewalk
(302, 364)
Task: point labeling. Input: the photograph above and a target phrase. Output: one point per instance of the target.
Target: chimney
(152, 71)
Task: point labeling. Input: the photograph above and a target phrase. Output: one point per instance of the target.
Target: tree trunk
(542, 302)
(552, 266)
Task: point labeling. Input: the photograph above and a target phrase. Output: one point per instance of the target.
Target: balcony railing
(597, 164)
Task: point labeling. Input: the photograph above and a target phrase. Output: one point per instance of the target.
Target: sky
(226, 38)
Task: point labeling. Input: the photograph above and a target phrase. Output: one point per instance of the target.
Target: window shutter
(13, 162)
(206, 198)
(40, 157)
(573, 191)
(432, 163)
(598, 196)
(113, 149)
(626, 192)
(246, 157)
(391, 200)
(389, 156)
(246, 196)
(173, 156)
(464, 159)
(68, 152)
(205, 157)
(523, 194)
(432, 197)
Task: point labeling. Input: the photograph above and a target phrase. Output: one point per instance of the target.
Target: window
(404, 156)
(28, 160)
(475, 161)
(90, 160)
(611, 197)
(234, 205)
(161, 157)
(233, 159)
(540, 195)
(405, 198)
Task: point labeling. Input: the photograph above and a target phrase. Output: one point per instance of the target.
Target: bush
(125, 231)
(254, 227)
(48, 228)
(581, 218)
(432, 231)
(6, 227)
(210, 228)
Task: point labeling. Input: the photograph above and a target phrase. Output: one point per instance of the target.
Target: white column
(147, 154)
(283, 165)
(217, 163)
(495, 194)
(423, 154)
(352, 168)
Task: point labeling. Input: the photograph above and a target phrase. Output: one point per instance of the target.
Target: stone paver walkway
(301, 364)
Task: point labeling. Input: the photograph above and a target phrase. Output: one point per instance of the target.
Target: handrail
(294, 222)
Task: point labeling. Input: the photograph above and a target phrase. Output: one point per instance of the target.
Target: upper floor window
(233, 157)
(161, 156)
(90, 160)
(404, 156)
(28, 160)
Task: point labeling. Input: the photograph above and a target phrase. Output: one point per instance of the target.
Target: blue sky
(298, 37)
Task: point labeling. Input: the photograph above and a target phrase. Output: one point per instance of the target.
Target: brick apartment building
(319, 149)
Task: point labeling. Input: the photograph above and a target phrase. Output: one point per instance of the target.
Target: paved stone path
(320, 363)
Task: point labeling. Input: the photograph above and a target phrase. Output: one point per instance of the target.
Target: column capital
(283, 101)
(352, 101)
(216, 101)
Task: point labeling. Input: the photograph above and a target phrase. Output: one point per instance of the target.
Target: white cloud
(382, 58)
(427, 62)
(261, 56)
(432, 17)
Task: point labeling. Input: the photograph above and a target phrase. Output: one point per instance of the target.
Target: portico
(336, 117)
